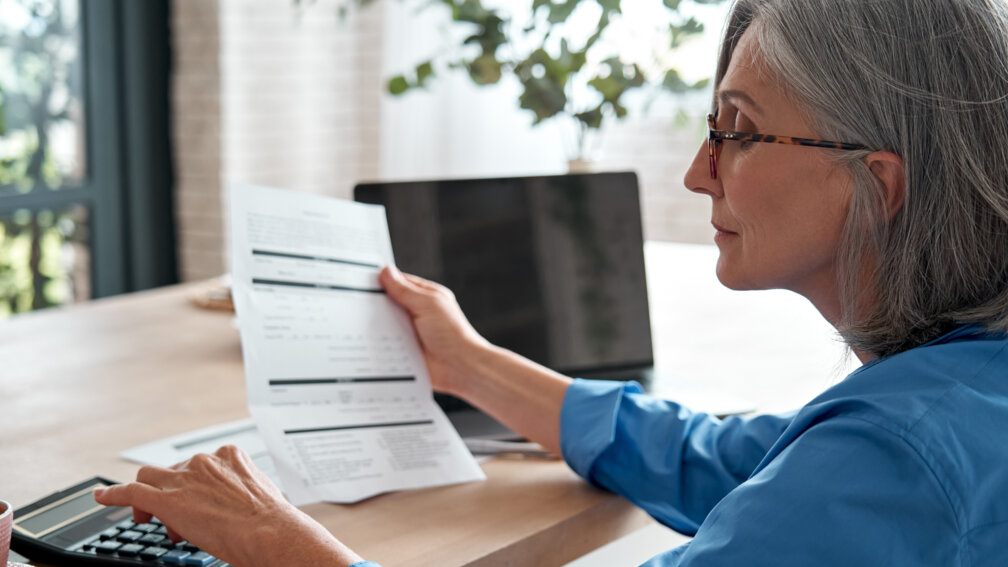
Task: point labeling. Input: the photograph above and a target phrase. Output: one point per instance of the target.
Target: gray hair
(928, 81)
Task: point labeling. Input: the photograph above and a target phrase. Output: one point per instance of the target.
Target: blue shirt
(905, 462)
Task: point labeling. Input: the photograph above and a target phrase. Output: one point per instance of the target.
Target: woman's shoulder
(962, 371)
(947, 402)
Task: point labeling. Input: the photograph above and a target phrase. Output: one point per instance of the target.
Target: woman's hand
(227, 507)
(450, 345)
(517, 392)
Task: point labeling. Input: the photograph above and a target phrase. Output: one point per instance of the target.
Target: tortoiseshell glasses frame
(715, 137)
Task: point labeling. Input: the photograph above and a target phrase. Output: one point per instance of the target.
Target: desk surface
(81, 384)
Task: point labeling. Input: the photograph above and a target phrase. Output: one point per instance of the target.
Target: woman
(895, 228)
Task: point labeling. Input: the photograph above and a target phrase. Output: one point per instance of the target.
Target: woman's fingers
(156, 476)
(422, 283)
(398, 287)
(136, 494)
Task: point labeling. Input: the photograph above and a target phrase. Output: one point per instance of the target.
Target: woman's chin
(732, 278)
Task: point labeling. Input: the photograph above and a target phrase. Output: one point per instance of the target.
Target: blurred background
(121, 123)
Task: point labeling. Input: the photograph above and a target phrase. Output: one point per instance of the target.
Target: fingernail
(99, 492)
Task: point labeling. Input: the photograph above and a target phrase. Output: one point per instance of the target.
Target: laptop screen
(551, 267)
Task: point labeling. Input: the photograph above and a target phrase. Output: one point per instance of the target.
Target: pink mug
(6, 525)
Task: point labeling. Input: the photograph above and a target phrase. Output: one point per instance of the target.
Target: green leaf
(673, 81)
(424, 71)
(398, 85)
(671, 4)
(610, 6)
(591, 118)
(560, 11)
(680, 32)
(543, 97)
(485, 69)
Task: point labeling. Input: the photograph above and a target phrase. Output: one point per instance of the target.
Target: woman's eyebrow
(732, 94)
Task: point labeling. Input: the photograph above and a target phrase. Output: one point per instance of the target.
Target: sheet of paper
(335, 378)
(242, 433)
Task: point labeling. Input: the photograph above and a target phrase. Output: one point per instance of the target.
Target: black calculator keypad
(147, 544)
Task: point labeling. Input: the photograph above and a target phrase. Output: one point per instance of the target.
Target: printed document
(336, 381)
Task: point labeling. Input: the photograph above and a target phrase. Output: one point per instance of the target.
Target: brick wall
(196, 137)
(269, 93)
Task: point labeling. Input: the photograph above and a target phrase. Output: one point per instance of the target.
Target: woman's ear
(889, 169)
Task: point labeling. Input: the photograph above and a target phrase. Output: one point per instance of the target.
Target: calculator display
(59, 513)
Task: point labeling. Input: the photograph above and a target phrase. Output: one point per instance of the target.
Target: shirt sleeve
(846, 492)
(674, 463)
(365, 564)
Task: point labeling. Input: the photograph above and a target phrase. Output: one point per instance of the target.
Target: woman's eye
(742, 124)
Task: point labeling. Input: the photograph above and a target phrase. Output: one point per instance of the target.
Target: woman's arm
(517, 392)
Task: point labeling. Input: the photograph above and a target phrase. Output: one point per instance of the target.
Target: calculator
(69, 528)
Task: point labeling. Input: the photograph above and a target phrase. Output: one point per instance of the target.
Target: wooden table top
(79, 385)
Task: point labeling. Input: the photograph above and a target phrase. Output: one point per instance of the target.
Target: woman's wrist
(480, 362)
(296, 539)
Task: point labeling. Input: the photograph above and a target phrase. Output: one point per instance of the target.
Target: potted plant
(573, 74)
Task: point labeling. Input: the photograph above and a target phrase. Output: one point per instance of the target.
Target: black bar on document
(313, 381)
(316, 258)
(362, 426)
(310, 285)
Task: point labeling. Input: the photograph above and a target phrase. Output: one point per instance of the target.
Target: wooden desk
(79, 385)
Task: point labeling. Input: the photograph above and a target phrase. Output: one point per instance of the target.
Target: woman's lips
(720, 228)
(722, 233)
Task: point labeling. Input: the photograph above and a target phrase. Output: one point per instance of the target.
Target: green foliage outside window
(43, 252)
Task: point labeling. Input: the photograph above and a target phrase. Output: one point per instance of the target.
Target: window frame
(127, 188)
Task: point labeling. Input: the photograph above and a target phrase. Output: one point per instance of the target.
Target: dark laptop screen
(549, 267)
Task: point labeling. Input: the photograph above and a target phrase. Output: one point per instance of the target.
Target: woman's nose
(698, 176)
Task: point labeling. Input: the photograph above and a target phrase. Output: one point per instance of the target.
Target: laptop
(550, 267)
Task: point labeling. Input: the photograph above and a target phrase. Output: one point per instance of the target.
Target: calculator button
(175, 557)
(145, 528)
(88, 546)
(200, 559)
(126, 524)
(130, 550)
(109, 533)
(129, 536)
(156, 522)
(153, 552)
(152, 539)
(186, 546)
(161, 530)
(108, 546)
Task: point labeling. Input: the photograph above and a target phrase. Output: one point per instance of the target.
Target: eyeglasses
(715, 137)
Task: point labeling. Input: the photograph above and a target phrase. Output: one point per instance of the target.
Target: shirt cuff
(365, 564)
(588, 420)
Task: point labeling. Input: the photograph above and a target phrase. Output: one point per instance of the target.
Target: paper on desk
(335, 378)
(242, 433)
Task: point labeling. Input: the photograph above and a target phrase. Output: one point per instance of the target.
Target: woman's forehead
(748, 80)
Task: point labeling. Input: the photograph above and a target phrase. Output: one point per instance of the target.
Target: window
(84, 165)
